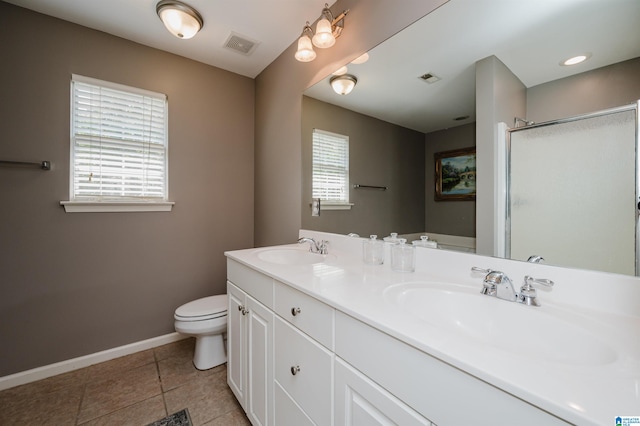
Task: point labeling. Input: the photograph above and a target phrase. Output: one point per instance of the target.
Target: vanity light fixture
(305, 52)
(181, 20)
(343, 84)
(575, 59)
(361, 59)
(327, 30)
(340, 71)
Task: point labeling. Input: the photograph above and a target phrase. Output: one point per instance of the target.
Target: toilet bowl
(206, 320)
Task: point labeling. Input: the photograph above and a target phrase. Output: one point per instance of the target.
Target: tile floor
(134, 390)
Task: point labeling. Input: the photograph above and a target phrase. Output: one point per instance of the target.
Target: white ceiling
(275, 24)
(529, 37)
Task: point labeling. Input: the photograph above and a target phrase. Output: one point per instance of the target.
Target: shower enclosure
(572, 191)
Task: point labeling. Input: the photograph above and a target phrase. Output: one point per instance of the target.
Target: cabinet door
(236, 344)
(360, 401)
(288, 413)
(260, 363)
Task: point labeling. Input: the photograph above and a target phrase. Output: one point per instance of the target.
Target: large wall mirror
(416, 96)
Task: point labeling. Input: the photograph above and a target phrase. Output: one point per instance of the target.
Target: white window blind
(330, 167)
(119, 142)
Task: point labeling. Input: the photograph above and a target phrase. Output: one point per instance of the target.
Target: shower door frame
(507, 210)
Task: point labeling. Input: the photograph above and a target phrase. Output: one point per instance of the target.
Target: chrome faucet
(497, 284)
(315, 247)
(528, 294)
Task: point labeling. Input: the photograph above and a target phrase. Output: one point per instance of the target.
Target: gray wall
(74, 284)
(279, 88)
(448, 217)
(607, 87)
(381, 154)
(500, 96)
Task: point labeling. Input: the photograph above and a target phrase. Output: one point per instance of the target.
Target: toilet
(206, 320)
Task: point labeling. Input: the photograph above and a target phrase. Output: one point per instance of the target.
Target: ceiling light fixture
(576, 59)
(343, 84)
(327, 30)
(181, 20)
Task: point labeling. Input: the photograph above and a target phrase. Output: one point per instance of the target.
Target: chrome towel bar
(381, 188)
(44, 165)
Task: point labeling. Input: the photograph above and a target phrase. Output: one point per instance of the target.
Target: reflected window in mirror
(330, 169)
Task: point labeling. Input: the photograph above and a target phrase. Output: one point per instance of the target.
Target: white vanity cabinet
(361, 401)
(303, 339)
(250, 346)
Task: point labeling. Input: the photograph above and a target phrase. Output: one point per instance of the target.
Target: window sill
(116, 206)
(335, 206)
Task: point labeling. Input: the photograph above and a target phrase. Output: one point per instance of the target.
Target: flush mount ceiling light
(327, 30)
(576, 59)
(343, 84)
(181, 20)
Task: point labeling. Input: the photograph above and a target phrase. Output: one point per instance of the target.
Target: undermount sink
(292, 256)
(524, 330)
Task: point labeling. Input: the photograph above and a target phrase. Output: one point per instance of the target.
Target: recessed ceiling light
(576, 59)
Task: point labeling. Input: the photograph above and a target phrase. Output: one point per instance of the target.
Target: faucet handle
(528, 294)
(484, 271)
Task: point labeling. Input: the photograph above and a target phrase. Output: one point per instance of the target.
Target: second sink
(504, 325)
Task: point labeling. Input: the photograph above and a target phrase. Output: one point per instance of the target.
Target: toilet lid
(205, 308)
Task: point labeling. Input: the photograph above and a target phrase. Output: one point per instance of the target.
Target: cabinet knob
(295, 370)
(295, 311)
(243, 310)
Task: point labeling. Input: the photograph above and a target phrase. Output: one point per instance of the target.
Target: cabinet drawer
(308, 314)
(304, 369)
(258, 285)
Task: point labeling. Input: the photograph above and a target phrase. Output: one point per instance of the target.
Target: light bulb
(324, 37)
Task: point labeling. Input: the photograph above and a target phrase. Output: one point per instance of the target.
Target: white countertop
(582, 385)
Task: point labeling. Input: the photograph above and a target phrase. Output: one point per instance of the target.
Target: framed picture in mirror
(455, 174)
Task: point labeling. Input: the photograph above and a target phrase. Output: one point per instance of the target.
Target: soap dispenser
(373, 251)
(403, 257)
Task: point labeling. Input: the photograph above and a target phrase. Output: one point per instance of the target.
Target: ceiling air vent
(241, 44)
(429, 78)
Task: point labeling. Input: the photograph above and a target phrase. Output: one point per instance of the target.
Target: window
(118, 146)
(330, 174)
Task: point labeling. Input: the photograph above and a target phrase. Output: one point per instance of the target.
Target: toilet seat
(203, 309)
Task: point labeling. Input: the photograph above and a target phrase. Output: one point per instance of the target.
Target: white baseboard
(43, 372)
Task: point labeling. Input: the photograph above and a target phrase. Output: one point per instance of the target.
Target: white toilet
(206, 320)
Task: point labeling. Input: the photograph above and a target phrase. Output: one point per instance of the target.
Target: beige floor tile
(175, 372)
(45, 408)
(142, 413)
(44, 386)
(120, 391)
(182, 349)
(108, 369)
(206, 398)
(234, 417)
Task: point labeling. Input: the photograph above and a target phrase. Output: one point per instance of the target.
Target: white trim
(325, 205)
(50, 370)
(117, 86)
(116, 206)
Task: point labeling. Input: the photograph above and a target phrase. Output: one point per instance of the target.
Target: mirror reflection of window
(330, 167)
